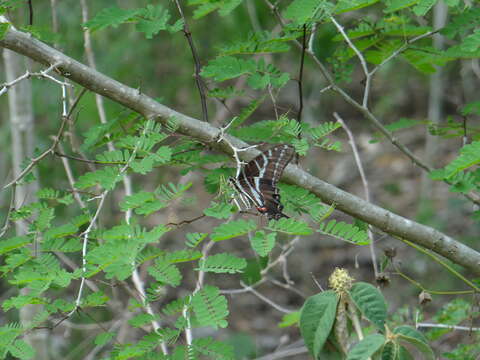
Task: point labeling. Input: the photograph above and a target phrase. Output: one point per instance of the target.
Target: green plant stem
(443, 263)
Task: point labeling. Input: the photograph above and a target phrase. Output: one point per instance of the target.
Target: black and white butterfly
(256, 183)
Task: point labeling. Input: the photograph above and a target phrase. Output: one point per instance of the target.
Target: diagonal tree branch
(385, 220)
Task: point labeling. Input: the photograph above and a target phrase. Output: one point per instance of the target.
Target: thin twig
(196, 59)
(300, 77)
(39, 158)
(445, 326)
(366, 188)
(402, 49)
(11, 207)
(30, 13)
(280, 354)
(360, 56)
(265, 299)
(28, 75)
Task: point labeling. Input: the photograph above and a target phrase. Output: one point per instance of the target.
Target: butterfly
(256, 183)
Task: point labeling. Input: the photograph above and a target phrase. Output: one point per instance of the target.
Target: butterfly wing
(258, 180)
(269, 164)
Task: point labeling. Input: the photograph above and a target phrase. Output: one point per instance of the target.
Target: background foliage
(128, 245)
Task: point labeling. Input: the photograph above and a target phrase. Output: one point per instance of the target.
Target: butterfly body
(256, 183)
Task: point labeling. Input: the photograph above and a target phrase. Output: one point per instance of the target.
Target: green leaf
(136, 200)
(461, 23)
(103, 338)
(232, 229)
(60, 231)
(106, 178)
(153, 19)
(112, 16)
(210, 307)
(222, 263)
(423, 7)
(290, 319)
(416, 338)
(228, 67)
(219, 210)
(182, 256)
(263, 243)
(316, 320)
(350, 5)
(213, 349)
(224, 7)
(14, 243)
(21, 350)
(95, 299)
(367, 347)
(289, 226)
(396, 5)
(469, 156)
(3, 29)
(247, 111)
(194, 239)
(141, 319)
(371, 303)
(343, 231)
(302, 11)
(165, 272)
(257, 43)
(390, 351)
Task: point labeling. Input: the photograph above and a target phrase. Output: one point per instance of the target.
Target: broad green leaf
(316, 320)
(390, 351)
(371, 303)
(232, 229)
(367, 347)
(416, 338)
(222, 264)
